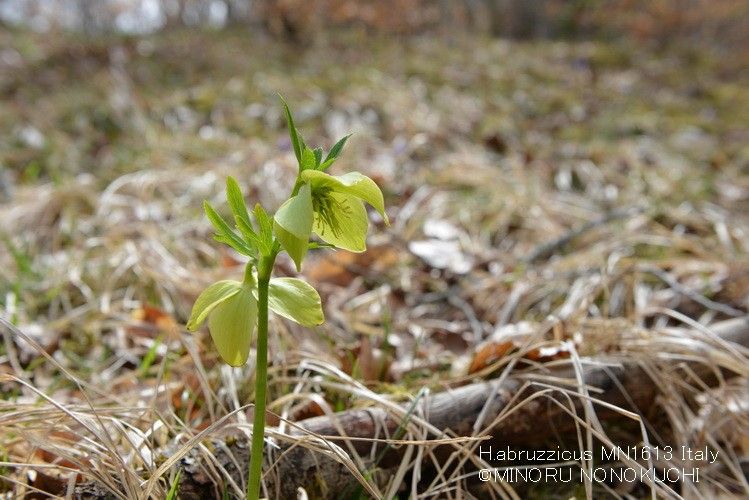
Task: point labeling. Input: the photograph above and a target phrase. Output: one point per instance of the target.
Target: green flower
(330, 206)
(231, 309)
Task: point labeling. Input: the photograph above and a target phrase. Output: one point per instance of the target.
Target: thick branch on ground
(625, 385)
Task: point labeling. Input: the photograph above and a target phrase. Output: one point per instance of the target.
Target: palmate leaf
(261, 240)
(238, 206)
(265, 229)
(225, 234)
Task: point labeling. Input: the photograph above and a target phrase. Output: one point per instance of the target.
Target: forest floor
(549, 201)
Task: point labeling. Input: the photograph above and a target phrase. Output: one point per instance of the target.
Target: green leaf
(209, 299)
(334, 152)
(296, 300)
(308, 159)
(325, 165)
(238, 206)
(150, 357)
(265, 229)
(226, 234)
(295, 140)
(293, 224)
(174, 488)
(264, 221)
(232, 324)
(244, 249)
(318, 157)
(347, 227)
(352, 183)
(315, 245)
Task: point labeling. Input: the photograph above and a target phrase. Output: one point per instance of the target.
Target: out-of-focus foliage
(715, 21)
(71, 105)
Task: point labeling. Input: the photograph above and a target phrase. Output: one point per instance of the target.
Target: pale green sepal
(296, 300)
(209, 299)
(232, 324)
(295, 247)
(293, 224)
(353, 183)
(347, 229)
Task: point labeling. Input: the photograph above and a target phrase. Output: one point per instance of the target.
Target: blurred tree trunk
(517, 18)
(88, 16)
(239, 11)
(173, 10)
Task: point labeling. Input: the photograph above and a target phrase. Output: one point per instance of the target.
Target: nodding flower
(231, 309)
(330, 206)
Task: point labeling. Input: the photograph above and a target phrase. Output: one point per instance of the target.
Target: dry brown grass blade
(459, 408)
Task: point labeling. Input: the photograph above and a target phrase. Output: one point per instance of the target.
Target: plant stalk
(265, 268)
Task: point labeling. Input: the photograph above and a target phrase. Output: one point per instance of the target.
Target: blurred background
(86, 73)
(721, 21)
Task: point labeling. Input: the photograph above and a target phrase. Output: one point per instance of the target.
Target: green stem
(297, 186)
(265, 267)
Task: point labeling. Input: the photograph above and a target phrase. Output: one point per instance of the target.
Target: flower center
(329, 210)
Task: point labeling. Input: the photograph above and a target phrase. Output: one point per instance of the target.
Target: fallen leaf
(341, 267)
(488, 354)
(307, 410)
(155, 316)
(365, 361)
(228, 260)
(547, 354)
(54, 485)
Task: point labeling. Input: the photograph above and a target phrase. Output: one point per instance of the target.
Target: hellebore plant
(331, 207)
